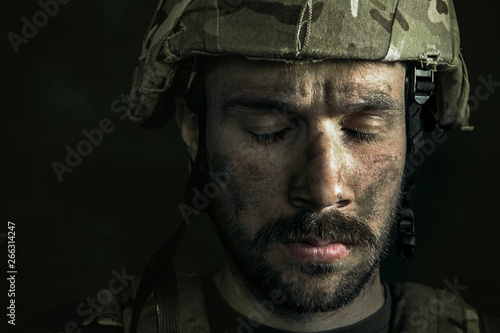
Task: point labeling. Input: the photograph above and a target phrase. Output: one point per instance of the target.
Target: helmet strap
(418, 91)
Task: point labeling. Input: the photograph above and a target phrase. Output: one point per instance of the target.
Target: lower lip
(327, 253)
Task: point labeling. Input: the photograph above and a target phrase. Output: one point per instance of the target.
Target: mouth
(318, 250)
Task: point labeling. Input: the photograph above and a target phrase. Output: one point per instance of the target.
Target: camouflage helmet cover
(423, 31)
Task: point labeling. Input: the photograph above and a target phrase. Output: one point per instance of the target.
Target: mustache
(304, 224)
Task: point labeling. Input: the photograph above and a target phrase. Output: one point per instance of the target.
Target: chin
(298, 289)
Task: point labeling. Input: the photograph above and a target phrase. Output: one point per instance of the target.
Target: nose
(320, 179)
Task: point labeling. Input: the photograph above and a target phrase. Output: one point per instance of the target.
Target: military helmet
(424, 32)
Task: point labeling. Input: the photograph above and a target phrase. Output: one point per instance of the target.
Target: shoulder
(114, 314)
(117, 315)
(419, 308)
(193, 312)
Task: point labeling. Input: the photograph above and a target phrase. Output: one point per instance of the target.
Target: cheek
(376, 181)
(256, 190)
(381, 177)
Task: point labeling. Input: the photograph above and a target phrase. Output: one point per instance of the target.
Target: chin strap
(421, 86)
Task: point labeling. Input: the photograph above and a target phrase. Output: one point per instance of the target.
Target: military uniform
(409, 308)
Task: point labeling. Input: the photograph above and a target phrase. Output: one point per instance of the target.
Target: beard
(300, 288)
(294, 289)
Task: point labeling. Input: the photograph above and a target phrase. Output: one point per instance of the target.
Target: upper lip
(320, 241)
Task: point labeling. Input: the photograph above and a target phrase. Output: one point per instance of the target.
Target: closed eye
(360, 136)
(267, 138)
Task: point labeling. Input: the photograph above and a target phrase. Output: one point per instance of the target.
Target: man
(301, 119)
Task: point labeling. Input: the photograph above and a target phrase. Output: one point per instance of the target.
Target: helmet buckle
(406, 239)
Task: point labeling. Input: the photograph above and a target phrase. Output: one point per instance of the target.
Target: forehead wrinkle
(347, 99)
(300, 84)
(355, 95)
(344, 84)
(244, 87)
(359, 92)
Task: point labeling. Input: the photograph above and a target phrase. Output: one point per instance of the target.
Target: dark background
(120, 203)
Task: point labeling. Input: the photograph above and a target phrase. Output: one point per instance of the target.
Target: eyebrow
(262, 104)
(373, 100)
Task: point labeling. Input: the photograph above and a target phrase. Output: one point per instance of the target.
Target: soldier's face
(315, 154)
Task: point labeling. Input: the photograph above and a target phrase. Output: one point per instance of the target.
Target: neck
(235, 294)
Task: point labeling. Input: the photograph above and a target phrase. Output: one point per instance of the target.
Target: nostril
(342, 203)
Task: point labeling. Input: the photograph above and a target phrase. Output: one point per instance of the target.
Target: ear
(188, 124)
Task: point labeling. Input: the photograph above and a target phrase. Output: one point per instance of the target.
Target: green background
(120, 203)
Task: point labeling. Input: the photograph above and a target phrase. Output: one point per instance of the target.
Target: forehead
(329, 78)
